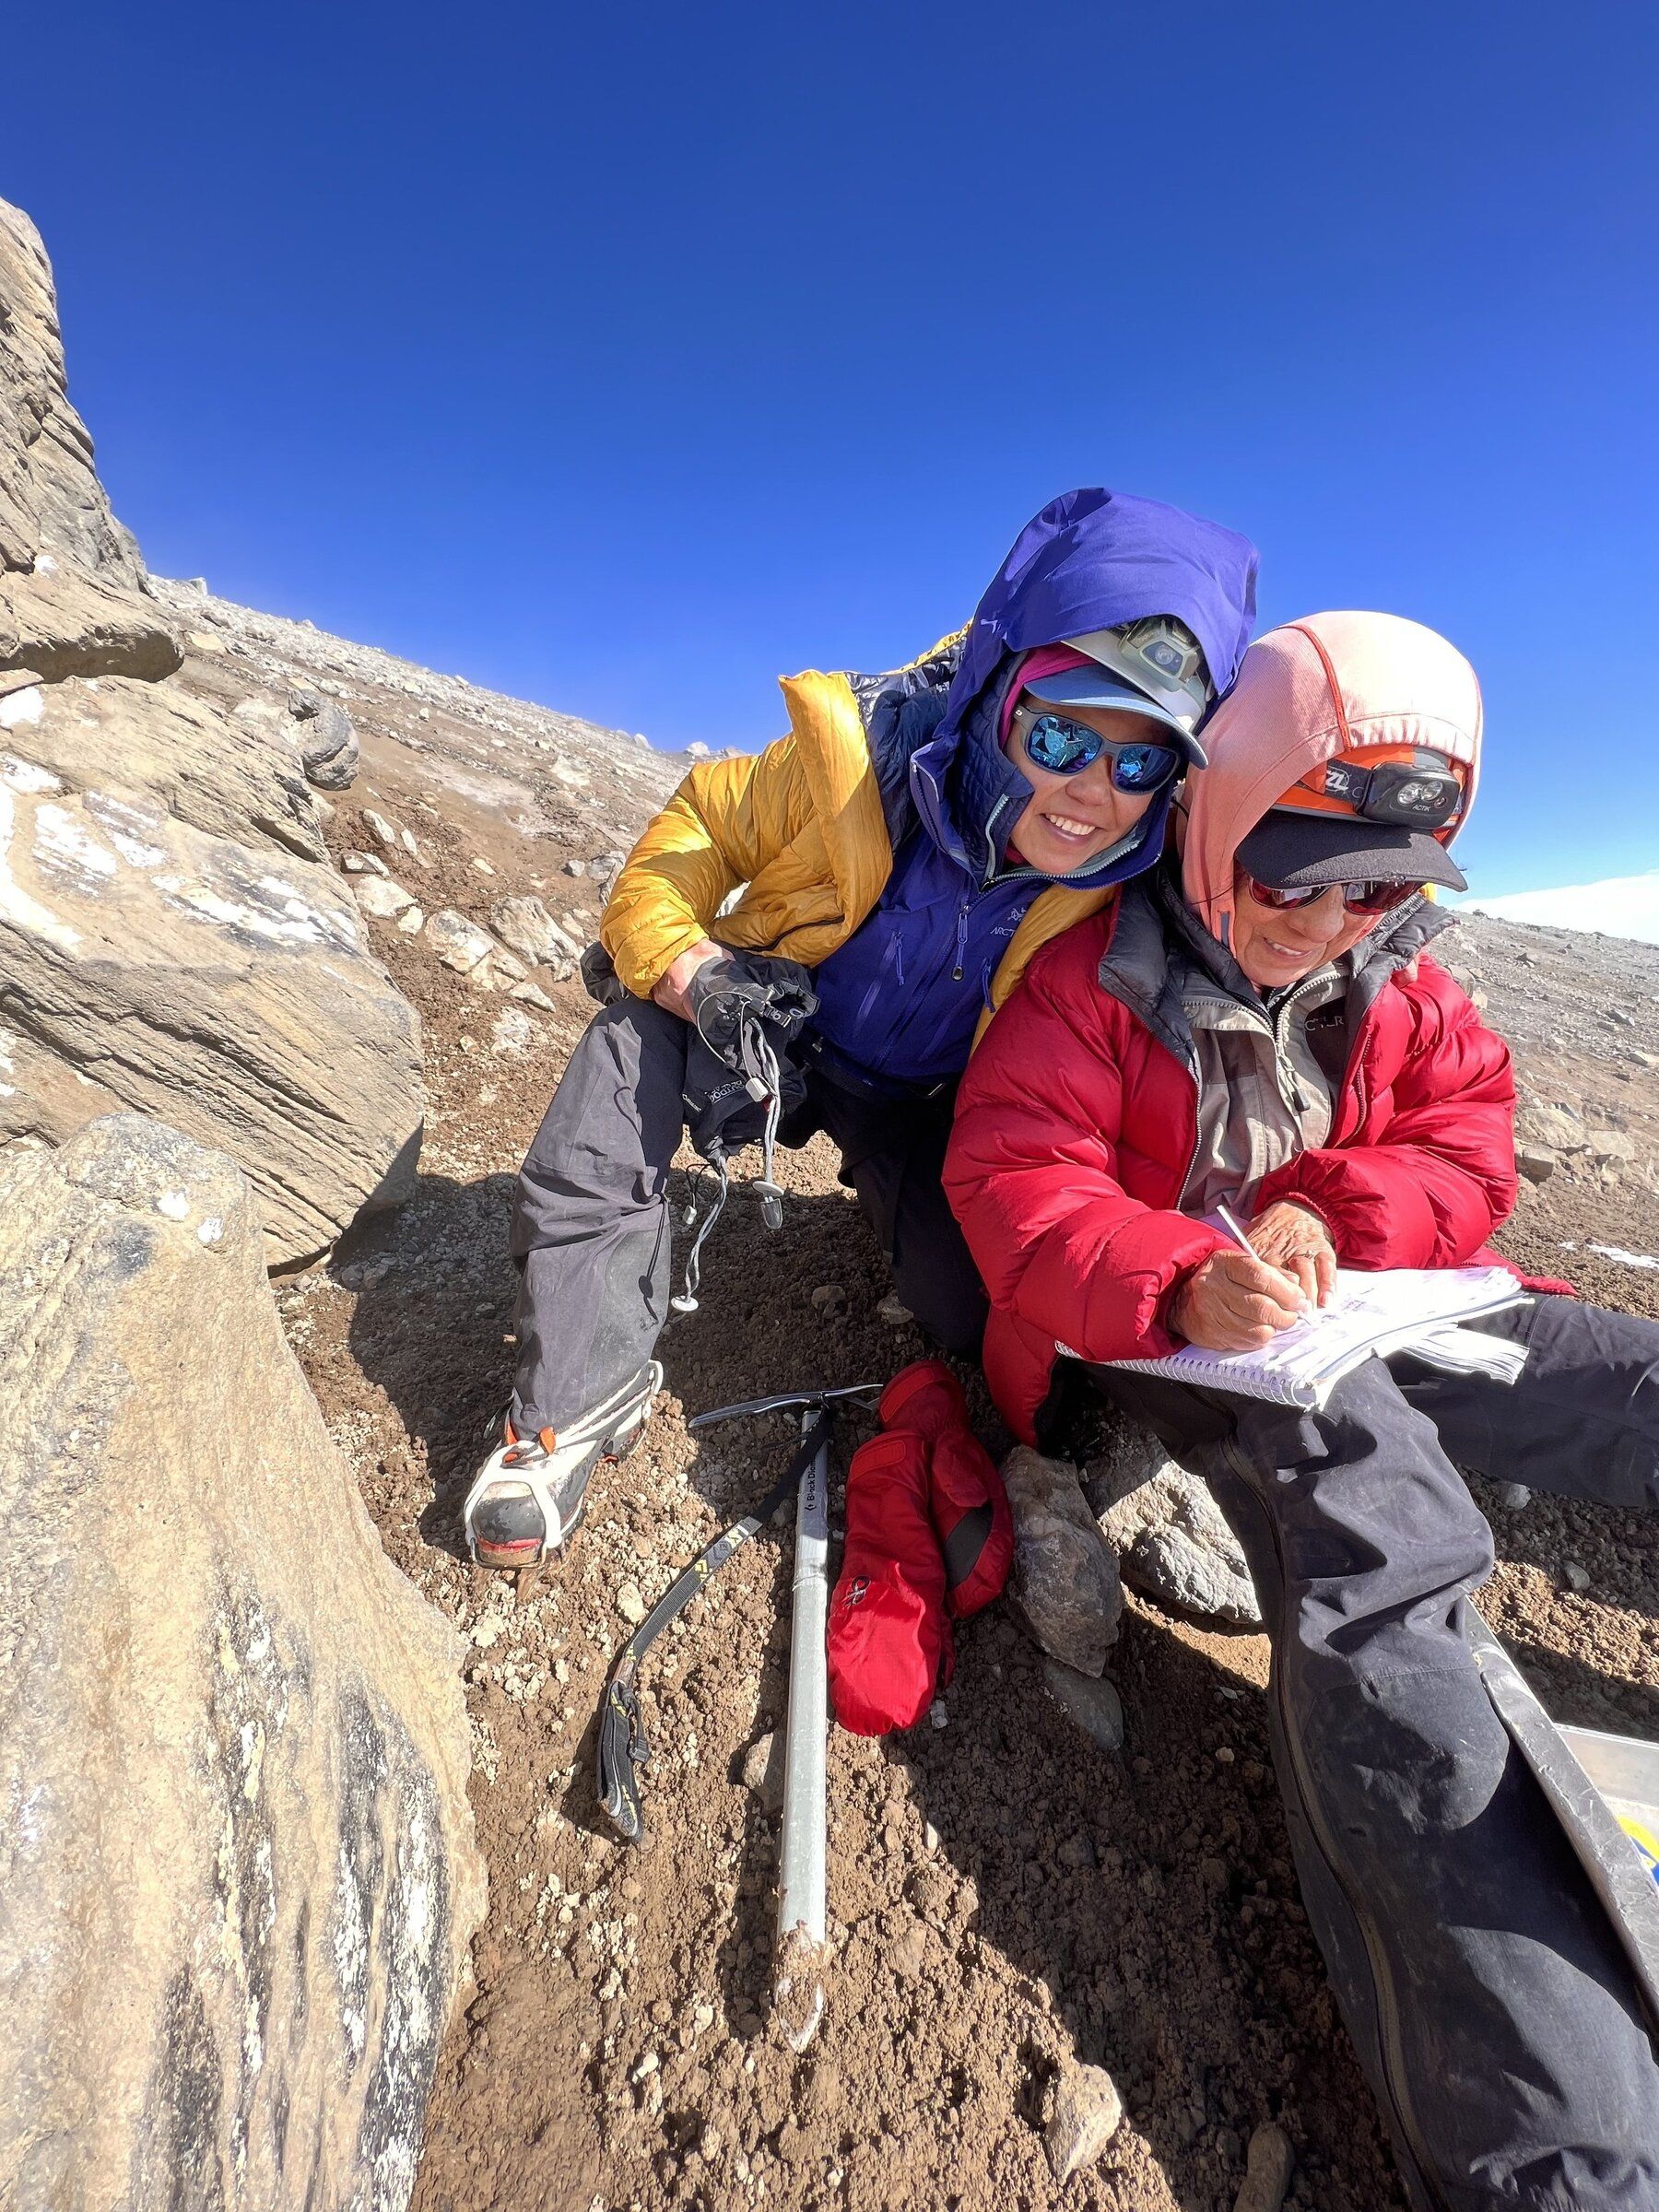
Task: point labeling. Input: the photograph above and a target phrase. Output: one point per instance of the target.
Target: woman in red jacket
(1263, 1028)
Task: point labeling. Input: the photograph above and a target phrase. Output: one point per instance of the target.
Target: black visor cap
(1292, 850)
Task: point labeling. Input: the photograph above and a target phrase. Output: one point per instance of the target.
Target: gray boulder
(170, 940)
(527, 926)
(1170, 1537)
(74, 598)
(328, 743)
(604, 868)
(1064, 1581)
(238, 1876)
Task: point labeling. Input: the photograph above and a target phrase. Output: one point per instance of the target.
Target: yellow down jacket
(803, 828)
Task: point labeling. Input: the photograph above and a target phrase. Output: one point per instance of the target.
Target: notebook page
(1367, 1312)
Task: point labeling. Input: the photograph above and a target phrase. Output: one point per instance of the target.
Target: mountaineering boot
(529, 1494)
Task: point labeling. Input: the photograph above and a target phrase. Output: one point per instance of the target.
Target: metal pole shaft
(797, 1988)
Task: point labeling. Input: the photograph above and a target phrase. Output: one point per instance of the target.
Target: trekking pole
(798, 1979)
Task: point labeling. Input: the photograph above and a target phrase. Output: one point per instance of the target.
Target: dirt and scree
(1005, 1897)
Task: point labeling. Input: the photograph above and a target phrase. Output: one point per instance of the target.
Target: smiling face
(1278, 945)
(1071, 820)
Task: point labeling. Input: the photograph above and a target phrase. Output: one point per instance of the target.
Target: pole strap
(623, 1745)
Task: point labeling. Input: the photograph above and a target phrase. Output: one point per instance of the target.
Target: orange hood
(1306, 691)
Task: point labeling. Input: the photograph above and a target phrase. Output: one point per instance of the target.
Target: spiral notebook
(1399, 1309)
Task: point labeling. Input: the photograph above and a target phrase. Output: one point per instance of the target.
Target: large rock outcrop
(172, 937)
(237, 1868)
(73, 597)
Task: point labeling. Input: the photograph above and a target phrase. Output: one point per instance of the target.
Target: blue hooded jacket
(900, 999)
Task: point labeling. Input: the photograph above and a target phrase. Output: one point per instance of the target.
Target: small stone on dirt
(893, 1310)
(630, 1604)
(1513, 1497)
(460, 943)
(909, 1952)
(1089, 1700)
(763, 1771)
(1575, 1576)
(380, 897)
(1267, 2170)
(512, 1034)
(1083, 2112)
(1172, 1540)
(830, 1299)
(530, 929)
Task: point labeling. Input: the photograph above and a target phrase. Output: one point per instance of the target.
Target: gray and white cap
(1152, 667)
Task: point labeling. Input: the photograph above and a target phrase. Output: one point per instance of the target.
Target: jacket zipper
(1291, 1084)
(956, 974)
(1388, 2018)
(1017, 875)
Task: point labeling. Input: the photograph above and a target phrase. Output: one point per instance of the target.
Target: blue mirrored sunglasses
(1062, 747)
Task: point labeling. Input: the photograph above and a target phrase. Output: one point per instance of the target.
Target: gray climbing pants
(1491, 2004)
(590, 1225)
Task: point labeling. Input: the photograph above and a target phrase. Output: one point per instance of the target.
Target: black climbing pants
(1491, 2004)
(591, 1230)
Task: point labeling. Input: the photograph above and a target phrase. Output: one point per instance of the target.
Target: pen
(1229, 1222)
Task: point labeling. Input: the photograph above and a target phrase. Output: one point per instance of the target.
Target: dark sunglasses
(1359, 898)
(1062, 747)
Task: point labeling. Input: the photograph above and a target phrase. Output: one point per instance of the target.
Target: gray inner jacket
(1267, 1068)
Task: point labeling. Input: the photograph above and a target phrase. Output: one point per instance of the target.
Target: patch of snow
(269, 907)
(1625, 1259)
(1620, 906)
(136, 853)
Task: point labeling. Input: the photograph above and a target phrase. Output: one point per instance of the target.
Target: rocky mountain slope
(173, 939)
(293, 895)
(1010, 1896)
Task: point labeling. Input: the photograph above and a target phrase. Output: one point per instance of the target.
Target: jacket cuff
(642, 976)
(1311, 1206)
(1282, 1188)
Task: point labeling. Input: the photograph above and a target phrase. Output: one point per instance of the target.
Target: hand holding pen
(1237, 1301)
(1290, 1238)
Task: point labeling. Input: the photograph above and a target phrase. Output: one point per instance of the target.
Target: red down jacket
(1066, 1182)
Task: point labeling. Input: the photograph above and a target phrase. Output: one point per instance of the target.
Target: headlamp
(1420, 795)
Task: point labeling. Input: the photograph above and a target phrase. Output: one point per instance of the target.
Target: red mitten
(889, 1640)
(969, 1505)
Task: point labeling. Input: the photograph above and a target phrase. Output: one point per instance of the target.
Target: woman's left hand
(1289, 1237)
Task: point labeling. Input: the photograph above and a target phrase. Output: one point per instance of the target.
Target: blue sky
(626, 358)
